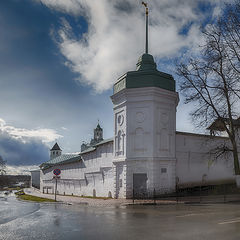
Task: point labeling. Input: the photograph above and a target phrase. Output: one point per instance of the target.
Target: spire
(146, 61)
(55, 147)
(98, 125)
(146, 7)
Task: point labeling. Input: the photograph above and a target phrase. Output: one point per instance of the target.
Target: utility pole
(56, 177)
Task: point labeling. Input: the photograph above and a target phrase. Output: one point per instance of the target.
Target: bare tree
(2, 166)
(212, 80)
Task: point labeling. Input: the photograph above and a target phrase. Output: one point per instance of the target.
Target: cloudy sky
(60, 58)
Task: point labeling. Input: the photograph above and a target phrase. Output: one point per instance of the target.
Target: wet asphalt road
(25, 220)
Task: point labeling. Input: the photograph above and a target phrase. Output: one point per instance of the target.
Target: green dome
(146, 75)
(146, 62)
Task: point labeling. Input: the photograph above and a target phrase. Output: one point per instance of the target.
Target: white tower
(145, 104)
(55, 151)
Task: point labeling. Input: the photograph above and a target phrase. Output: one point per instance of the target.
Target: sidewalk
(80, 200)
(95, 202)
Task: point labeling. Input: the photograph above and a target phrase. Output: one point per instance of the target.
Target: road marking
(231, 221)
(190, 214)
(195, 214)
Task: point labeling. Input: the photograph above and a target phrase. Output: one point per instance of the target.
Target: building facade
(146, 152)
(35, 178)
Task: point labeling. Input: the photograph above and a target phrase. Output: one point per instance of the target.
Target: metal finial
(146, 7)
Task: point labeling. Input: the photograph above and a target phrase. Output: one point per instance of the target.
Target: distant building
(55, 151)
(146, 152)
(14, 181)
(35, 178)
(2, 166)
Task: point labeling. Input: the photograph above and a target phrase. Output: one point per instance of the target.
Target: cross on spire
(146, 7)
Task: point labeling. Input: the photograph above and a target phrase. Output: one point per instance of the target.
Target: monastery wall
(195, 165)
(92, 176)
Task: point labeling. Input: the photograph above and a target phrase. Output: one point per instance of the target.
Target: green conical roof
(146, 75)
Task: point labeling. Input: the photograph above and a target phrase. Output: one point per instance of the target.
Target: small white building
(35, 178)
(146, 152)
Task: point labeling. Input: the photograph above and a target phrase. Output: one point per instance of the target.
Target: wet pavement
(27, 220)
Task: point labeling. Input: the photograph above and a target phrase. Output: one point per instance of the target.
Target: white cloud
(70, 6)
(115, 37)
(44, 134)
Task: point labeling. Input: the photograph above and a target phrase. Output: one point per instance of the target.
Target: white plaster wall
(120, 179)
(41, 180)
(151, 114)
(156, 180)
(35, 178)
(94, 172)
(120, 126)
(194, 163)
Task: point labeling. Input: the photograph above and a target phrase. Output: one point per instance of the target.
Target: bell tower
(55, 151)
(98, 133)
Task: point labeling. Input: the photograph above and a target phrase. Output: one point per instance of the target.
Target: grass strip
(34, 198)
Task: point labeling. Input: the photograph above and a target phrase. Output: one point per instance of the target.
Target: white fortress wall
(98, 172)
(93, 175)
(195, 165)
